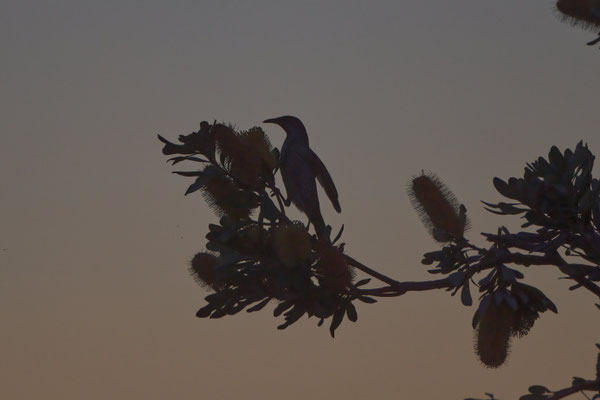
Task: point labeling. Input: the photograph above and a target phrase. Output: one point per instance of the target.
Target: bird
(300, 168)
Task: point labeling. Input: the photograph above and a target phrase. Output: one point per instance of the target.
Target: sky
(95, 298)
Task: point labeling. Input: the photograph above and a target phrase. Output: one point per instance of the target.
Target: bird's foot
(275, 192)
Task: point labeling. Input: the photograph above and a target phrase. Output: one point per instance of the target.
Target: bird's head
(291, 125)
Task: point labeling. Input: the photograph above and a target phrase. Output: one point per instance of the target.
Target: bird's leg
(595, 41)
(308, 225)
(277, 192)
(280, 199)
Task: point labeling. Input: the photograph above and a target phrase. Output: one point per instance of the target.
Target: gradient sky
(95, 298)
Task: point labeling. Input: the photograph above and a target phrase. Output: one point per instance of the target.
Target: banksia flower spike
(492, 341)
(225, 197)
(257, 140)
(332, 271)
(203, 269)
(598, 367)
(239, 156)
(291, 243)
(582, 13)
(437, 207)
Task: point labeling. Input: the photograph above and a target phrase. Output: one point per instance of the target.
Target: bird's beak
(270, 121)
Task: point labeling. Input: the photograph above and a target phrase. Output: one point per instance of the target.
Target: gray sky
(95, 298)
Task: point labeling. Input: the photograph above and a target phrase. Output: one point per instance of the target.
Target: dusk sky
(96, 235)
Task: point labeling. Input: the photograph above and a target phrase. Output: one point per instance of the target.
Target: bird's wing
(321, 173)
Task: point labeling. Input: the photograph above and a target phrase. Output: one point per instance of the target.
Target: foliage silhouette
(257, 255)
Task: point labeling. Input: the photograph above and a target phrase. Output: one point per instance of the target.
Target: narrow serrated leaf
(362, 282)
(338, 317)
(465, 295)
(188, 173)
(339, 235)
(281, 307)
(259, 306)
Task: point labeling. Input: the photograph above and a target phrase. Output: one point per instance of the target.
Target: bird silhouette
(300, 168)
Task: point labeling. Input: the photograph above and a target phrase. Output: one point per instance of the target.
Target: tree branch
(371, 272)
(586, 283)
(587, 385)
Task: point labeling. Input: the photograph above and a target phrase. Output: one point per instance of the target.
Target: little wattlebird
(299, 167)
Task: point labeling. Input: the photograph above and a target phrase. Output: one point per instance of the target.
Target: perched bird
(299, 167)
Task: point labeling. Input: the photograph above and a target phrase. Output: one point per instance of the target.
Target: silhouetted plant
(257, 255)
(581, 13)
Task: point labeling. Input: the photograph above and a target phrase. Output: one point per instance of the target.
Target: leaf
(505, 208)
(486, 281)
(176, 160)
(339, 235)
(259, 306)
(426, 261)
(292, 316)
(219, 313)
(508, 275)
(498, 297)
(226, 220)
(538, 389)
(201, 181)
(457, 278)
(172, 148)
(435, 255)
(268, 209)
(188, 173)
(504, 189)
(215, 228)
(337, 319)
(465, 295)
(366, 299)
(351, 312)
(367, 280)
(281, 307)
(205, 311)
(556, 158)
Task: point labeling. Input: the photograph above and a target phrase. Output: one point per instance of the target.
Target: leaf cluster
(256, 255)
(560, 198)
